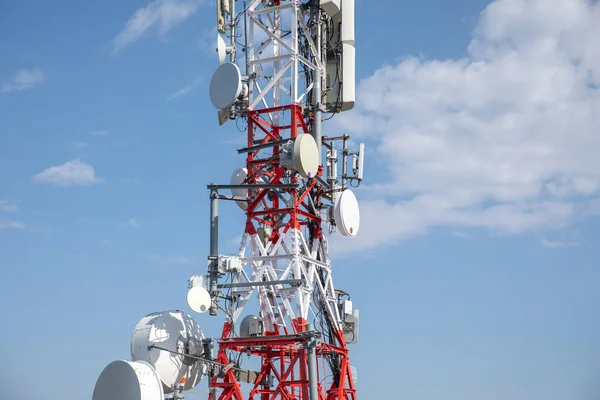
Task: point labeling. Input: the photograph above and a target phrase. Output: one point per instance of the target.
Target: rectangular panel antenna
(348, 22)
(361, 161)
(220, 19)
(348, 77)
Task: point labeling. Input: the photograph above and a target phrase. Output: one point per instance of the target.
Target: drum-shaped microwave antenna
(225, 85)
(163, 340)
(305, 156)
(198, 297)
(346, 213)
(126, 380)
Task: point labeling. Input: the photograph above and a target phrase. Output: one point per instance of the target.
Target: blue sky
(480, 203)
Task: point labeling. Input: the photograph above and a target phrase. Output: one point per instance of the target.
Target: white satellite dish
(238, 177)
(173, 331)
(222, 49)
(198, 297)
(225, 85)
(346, 213)
(126, 380)
(305, 156)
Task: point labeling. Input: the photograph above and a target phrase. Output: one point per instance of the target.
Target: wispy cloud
(185, 90)
(8, 206)
(100, 132)
(131, 223)
(13, 225)
(162, 13)
(22, 80)
(553, 245)
(74, 172)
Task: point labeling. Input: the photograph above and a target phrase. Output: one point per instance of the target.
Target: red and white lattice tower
(287, 327)
(298, 57)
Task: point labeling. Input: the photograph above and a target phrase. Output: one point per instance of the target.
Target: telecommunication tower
(283, 315)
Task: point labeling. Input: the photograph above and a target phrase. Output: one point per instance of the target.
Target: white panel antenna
(358, 160)
(220, 19)
(348, 77)
(361, 161)
(340, 68)
(348, 22)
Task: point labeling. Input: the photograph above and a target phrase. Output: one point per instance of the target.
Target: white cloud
(13, 225)
(163, 13)
(553, 245)
(74, 172)
(184, 90)
(8, 206)
(131, 223)
(22, 80)
(505, 138)
(100, 132)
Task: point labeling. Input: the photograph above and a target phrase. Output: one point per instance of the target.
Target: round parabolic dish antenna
(225, 85)
(198, 299)
(170, 330)
(306, 155)
(238, 177)
(347, 214)
(126, 380)
(221, 49)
